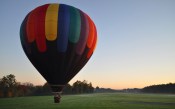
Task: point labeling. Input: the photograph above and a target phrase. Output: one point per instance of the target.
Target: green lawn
(93, 101)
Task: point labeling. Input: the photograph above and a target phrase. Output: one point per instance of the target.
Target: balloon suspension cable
(57, 97)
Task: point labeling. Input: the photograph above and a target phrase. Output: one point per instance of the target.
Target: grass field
(93, 101)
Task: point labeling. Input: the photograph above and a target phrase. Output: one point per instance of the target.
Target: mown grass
(93, 101)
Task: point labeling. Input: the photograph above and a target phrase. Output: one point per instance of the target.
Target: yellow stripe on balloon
(51, 22)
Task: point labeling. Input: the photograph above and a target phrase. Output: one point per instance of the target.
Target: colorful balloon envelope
(58, 40)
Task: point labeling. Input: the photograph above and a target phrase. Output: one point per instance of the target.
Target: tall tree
(8, 85)
(82, 87)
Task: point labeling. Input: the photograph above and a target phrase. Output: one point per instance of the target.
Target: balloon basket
(57, 97)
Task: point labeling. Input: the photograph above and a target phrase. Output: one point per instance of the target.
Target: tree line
(161, 88)
(9, 87)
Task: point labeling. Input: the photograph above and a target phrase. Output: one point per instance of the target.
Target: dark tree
(161, 88)
(8, 86)
(82, 87)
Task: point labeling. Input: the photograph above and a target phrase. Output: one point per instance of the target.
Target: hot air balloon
(58, 39)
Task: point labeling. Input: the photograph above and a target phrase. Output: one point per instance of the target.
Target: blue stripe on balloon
(63, 27)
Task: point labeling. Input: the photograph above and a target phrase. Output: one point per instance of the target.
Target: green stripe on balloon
(75, 25)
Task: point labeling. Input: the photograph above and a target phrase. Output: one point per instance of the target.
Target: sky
(136, 42)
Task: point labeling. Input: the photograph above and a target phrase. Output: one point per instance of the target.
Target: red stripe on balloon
(93, 45)
(40, 26)
(30, 26)
(91, 32)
